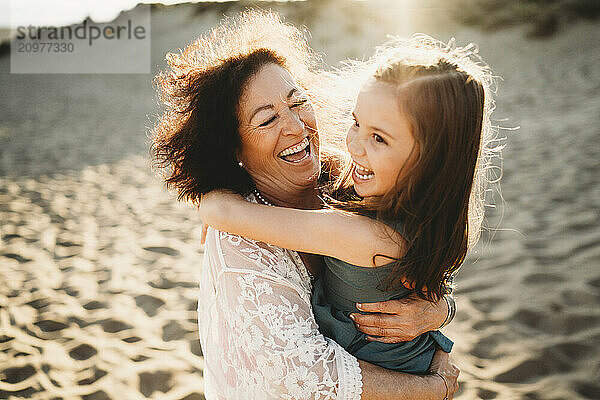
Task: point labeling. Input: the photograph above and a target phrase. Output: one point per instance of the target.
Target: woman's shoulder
(241, 255)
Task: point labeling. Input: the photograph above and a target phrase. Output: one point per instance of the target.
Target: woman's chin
(304, 172)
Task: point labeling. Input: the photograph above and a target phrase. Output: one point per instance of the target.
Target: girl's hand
(203, 235)
(400, 320)
(215, 202)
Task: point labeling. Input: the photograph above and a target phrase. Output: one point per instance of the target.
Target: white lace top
(257, 330)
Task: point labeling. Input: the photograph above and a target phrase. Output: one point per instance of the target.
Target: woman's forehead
(269, 85)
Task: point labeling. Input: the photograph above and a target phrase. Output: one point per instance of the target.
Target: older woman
(237, 118)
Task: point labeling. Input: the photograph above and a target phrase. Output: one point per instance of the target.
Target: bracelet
(445, 384)
(451, 310)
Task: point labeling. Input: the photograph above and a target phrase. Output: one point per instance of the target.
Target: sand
(99, 265)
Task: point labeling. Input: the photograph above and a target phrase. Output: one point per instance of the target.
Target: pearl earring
(241, 164)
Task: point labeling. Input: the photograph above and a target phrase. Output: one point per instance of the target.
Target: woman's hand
(400, 320)
(445, 373)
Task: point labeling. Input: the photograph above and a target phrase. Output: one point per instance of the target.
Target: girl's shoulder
(396, 223)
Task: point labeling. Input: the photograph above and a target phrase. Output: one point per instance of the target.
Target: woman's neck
(304, 198)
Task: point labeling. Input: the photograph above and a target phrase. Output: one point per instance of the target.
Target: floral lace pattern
(258, 335)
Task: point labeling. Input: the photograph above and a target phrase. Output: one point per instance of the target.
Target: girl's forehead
(377, 96)
(377, 108)
(373, 84)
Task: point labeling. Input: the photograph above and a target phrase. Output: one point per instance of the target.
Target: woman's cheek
(308, 117)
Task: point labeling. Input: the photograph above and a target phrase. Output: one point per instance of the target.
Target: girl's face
(380, 142)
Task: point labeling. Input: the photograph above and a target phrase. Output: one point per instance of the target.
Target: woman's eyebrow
(259, 109)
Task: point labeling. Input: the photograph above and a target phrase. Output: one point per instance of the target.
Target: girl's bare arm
(353, 238)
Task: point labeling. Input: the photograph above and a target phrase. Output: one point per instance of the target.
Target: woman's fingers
(402, 328)
(411, 315)
(455, 372)
(386, 307)
(388, 335)
(376, 320)
(390, 339)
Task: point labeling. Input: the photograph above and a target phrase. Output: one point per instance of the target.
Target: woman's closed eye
(267, 122)
(297, 103)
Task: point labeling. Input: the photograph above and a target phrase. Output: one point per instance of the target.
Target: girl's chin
(365, 193)
(360, 186)
(361, 192)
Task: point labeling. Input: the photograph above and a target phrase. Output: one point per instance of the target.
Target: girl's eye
(378, 138)
(267, 122)
(355, 122)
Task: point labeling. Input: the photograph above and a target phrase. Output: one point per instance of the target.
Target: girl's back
(335, 293)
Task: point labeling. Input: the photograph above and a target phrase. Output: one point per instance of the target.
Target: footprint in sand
(83, 352)
(486, 394)
(113, 326)
(589, 390)
(151, 382)
(49, 325)
(169, 251)
(94, 374)
(149, 304)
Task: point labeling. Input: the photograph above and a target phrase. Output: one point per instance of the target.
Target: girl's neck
(371, 202)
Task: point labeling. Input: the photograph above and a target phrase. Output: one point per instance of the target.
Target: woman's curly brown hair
(196, 140)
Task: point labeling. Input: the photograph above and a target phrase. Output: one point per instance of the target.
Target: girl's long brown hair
(438, 199)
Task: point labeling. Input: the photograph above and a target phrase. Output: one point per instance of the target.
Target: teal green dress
(335, 292)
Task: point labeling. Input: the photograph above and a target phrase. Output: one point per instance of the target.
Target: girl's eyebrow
(271, 106)
(374, 127)
(380, 130)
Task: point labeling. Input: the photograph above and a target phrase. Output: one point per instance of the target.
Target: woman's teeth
(297, 152)
(362, 172)
(294, 149)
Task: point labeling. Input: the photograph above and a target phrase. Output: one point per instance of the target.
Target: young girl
(421, 125)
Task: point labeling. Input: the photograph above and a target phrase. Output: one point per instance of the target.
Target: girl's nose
(354, 144)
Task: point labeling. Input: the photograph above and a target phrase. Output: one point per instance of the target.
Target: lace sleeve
(258, 334)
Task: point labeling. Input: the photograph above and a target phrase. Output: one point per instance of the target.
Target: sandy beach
(99, 265)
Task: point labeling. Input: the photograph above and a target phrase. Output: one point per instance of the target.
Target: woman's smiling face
(380, 142)
(280, 144)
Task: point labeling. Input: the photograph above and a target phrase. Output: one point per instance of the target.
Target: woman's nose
(293, 124)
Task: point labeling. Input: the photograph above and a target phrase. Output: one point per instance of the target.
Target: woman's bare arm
(383, 384)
